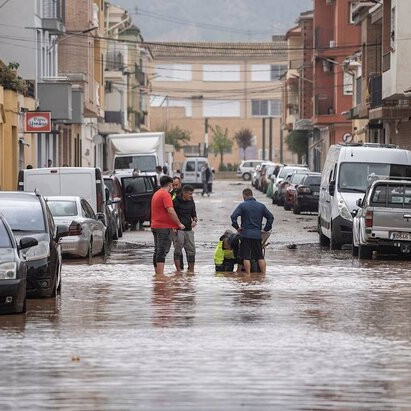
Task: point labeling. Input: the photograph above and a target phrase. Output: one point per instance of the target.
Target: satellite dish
(348, 138)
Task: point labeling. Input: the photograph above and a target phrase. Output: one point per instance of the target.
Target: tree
(297, 142)
(244, 139)
(177, 137)
(221, 143)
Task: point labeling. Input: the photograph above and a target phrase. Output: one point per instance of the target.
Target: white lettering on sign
(38, 122)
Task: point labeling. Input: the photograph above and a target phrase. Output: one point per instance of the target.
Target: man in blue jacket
(252, 213)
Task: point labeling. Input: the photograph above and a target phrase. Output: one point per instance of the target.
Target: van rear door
(46, 180)
(200, 164)
(190, 173)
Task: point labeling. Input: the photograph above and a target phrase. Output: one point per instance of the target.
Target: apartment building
(232, 85)
(382, 108)
(335, 38)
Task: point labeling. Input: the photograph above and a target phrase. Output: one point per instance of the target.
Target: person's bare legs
(263, 266)
(159, 268)
(177, 263)
(247, 266)
(190, 268)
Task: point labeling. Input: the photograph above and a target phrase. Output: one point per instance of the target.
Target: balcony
(114, 61)
(376, 91)
(324, 105)
(116, 117)
(53, 16)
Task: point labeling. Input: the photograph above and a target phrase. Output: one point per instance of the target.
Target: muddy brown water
(319, 331)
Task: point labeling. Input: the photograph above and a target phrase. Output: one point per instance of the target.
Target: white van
(348, 171)
(83, 182)
(191, 171)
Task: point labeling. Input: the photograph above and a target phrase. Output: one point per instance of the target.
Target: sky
(213, 20)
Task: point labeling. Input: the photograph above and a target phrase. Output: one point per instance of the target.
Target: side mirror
(354, 212)
(359, 202)
(62, 231)
(101, 217)
(27, 242)
(331, 188)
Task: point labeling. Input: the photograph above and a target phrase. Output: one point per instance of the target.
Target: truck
(142, 151)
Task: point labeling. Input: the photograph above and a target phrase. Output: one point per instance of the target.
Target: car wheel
(324, 240)
(354, 251)
(246, 176)
(296, 209)
(90, 251)
(365, 252)
(120, 230)
(287, 207)
(104, 249)
(275, 198)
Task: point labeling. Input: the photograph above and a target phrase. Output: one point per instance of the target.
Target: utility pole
(206, 137)
(270, 141)
(263, 154)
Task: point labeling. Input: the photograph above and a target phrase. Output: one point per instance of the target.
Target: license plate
(401, 236)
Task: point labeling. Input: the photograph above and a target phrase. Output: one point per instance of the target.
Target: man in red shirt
(163, 220)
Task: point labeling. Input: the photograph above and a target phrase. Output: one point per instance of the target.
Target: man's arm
(270, 219)
(234, 217)
(171, 212)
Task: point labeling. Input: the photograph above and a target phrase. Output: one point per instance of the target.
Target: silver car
(87, 232)
(383, 219)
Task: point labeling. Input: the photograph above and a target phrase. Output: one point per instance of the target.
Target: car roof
(61, 198)
(19, 195)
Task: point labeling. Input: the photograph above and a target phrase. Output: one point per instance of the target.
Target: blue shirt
(252, 213)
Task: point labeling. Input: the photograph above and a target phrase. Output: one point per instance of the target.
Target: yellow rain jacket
(220, 254)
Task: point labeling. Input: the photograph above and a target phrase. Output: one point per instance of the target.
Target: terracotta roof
(276, 48)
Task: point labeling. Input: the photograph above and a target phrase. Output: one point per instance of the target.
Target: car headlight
(38, 252)
(343, 210)
(8, 271)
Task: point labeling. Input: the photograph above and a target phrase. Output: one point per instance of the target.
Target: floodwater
(319, 331)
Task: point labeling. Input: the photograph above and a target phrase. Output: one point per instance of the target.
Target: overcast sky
(214, 20)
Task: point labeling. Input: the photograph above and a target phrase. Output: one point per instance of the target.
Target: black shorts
(251, 249)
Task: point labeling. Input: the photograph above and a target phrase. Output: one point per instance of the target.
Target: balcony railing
(376, 91)
(114, 61)
(324, 105)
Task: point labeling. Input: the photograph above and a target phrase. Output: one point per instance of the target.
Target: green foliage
(297, 142)
(10, 80)
(221, 142)
(244, 139)
(177, 137)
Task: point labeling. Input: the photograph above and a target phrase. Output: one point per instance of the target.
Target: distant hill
(214, 20)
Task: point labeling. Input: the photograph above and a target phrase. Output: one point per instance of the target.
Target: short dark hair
(165, 180)
(177, 178)
(188, 189)
(159, 168)
(247, 192)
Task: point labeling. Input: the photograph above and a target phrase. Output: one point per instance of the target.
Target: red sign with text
(38, 122)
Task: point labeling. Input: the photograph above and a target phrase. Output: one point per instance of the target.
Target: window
(221, 72)
(393, 27)
(350, 16)
(164, 101)
(266, 108)
(193, 150)
(348, 88)
(173, 72)
(142, 163)
(134, 185)
(221, 108)
(190, 166)
(23, 215)
(393, 196)
(267, 72)
(62, 208)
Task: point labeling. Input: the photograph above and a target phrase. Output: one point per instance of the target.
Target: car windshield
(393, 196)
(287, 170)
(5, 241)
(142, 163)
(356, 177)
(23, 215)
(60, 208)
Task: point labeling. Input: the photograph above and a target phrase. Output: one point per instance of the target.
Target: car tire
(90, 252)
(354, 251)
(120, 231)
(246, 176)
(275, 198)
(296, 209)
(104, 248)
(323, 240)
(365, 252)
(115, 233)
(287, 207)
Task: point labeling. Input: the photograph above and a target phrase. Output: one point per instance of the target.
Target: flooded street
(319, 331)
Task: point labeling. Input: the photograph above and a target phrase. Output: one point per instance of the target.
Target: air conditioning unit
(333, 44)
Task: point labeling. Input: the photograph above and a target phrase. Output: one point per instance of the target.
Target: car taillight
(75, 229)
(369, 218)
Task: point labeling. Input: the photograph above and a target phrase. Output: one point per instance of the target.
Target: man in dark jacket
(252, 213)
(185, 208)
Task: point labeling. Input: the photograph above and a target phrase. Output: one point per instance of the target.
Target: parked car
(348, 171)
(291, 189)
(87, 232)
(382, 221)
(255, 176)
(307, 194)
(262, 173)
(283, 173)
(191, 171)
(13, 270)
(266, 174)
(29, 216)
(117, 200)
(246, 169)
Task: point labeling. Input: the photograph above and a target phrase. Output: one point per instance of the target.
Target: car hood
(351, 199)
(7, 255)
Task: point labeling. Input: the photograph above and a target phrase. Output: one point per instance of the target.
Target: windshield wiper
(355, 190)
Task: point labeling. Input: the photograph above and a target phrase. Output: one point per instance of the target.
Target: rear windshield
(142, 163)
(392, 196)
(313, 181)
(63, 208)
(135, 185)
(23, 215)
(109, 184)
(357, 177)
(288, 170)
(297, 178)
(4, 237)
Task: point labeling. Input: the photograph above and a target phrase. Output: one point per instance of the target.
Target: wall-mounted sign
(38, 122)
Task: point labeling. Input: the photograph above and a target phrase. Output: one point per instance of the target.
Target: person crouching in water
(185, 209)
(226, 254)
(252, 214)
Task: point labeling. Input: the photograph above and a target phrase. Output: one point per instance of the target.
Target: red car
(291, 190)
